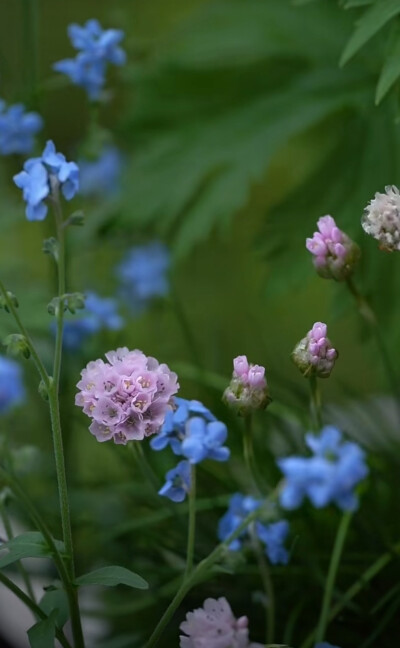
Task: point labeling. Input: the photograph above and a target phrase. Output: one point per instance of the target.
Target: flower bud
(248, 389)
(17, 345)
(314, 354)
(334, 253)
(381, 219)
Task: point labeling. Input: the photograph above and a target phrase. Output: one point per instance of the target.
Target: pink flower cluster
(248, 389)
(214, 626)
(314, 354)
(335, 254)
(127, 397)
(249, 374)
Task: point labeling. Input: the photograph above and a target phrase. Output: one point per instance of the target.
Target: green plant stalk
(316, 405)
(333, 568)
(9, 533)
(186, 330)
(37, 611)
(191, 523)
(197, 574)
(268, 588)
(248, 451)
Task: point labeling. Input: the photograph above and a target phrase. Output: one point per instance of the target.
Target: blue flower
(96, 48)
(101, 314)
(35, 180)
(12, 389)
(143, 274)
(329, 476)
(17, 129)
(101, 177)
(273, 536)
(325, 644)
(193, 431)
(177, 483)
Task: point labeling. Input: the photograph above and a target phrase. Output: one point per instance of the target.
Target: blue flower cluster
(101, 177)
(272, 535)
(96, 48)
(143, 274)
(101, 313)
(17, 129)
(329, 476)
(12, 389)
(178, 482)
(193, 431)
(39, 174)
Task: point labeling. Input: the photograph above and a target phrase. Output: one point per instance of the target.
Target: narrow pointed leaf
(390, 72)
(111, 576)
(55, 600)
(42, 634)
(26, 545)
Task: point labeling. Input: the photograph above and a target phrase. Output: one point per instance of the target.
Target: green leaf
(42, 634)
(369, 24)
(111, 576)
(351, 4)
(27, 545)
(390, 72)
(55, 600)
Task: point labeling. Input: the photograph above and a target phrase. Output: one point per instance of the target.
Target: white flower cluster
(381, 218)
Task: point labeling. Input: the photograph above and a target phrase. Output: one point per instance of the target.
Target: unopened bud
(334, 253)
(314, 354)
(17, 345)
(248, 389)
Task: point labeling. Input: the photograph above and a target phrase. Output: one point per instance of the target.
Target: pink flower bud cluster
(334, 253)
(127, 397)
(248, 389)
(214, 626)
(314, 354)
(382, 218)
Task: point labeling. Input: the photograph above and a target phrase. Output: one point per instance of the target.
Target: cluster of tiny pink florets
(334, 253)
(248, 389)
(315, 354)
(127, 397)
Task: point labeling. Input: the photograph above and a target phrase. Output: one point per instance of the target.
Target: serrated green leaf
(42, 634)
(390, 72)
(112, 576)
(55, 600)
(369, 24)
(27, 545)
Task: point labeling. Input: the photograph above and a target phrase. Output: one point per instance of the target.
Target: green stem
(316, 405)
(333, 568)
(37, 611)
(9, 533)
(197, 574)
(248, 451)
(186, 330)
(192, 523)
(141, 460)
(268, 588)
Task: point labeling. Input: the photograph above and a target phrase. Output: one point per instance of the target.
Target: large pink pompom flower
(127, 397)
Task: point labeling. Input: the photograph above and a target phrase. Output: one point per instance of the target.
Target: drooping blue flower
(38, 174)
(143, 275)
(193, 431)
(101, 177)
(17, 129)
(100, 313)
(272, 535)
(12, 389)
(329, 476)
(96, 48)
(178, 482)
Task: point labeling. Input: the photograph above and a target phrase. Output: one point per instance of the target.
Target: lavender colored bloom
(381, 219)
(40, 175)
(96, 48)
(101, 177)
(17, 129)
(273, 536)
(12, 389)
(248, 389)
(329, 476)
(101, 313)
(214, 626)
(143, 274)
(178, 482)
(192, 431)
(314, 354)
(334, 253)
(127, 397)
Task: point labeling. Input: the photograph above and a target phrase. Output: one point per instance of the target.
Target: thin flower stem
(186, 330)
(268, 588)
(191, 523)
(9, 533)
(316, 404)
(39, 365)
(248, 451)
(140, 459)
(333, 568)
(37, 611)
(202, 569)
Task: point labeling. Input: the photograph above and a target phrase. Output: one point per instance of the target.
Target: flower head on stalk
(248, 389)
(192, 431)
(214, 626)
(334, 253)
(178, 482)
(126, 397)
(330, 475)
(143, 275)
(271, 535)
(18, 129)
(41, 175)
(12, 389)
(97, 47)
(381, 218)
(314, 355)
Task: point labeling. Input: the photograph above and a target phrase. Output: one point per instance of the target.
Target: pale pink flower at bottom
(214, 626)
